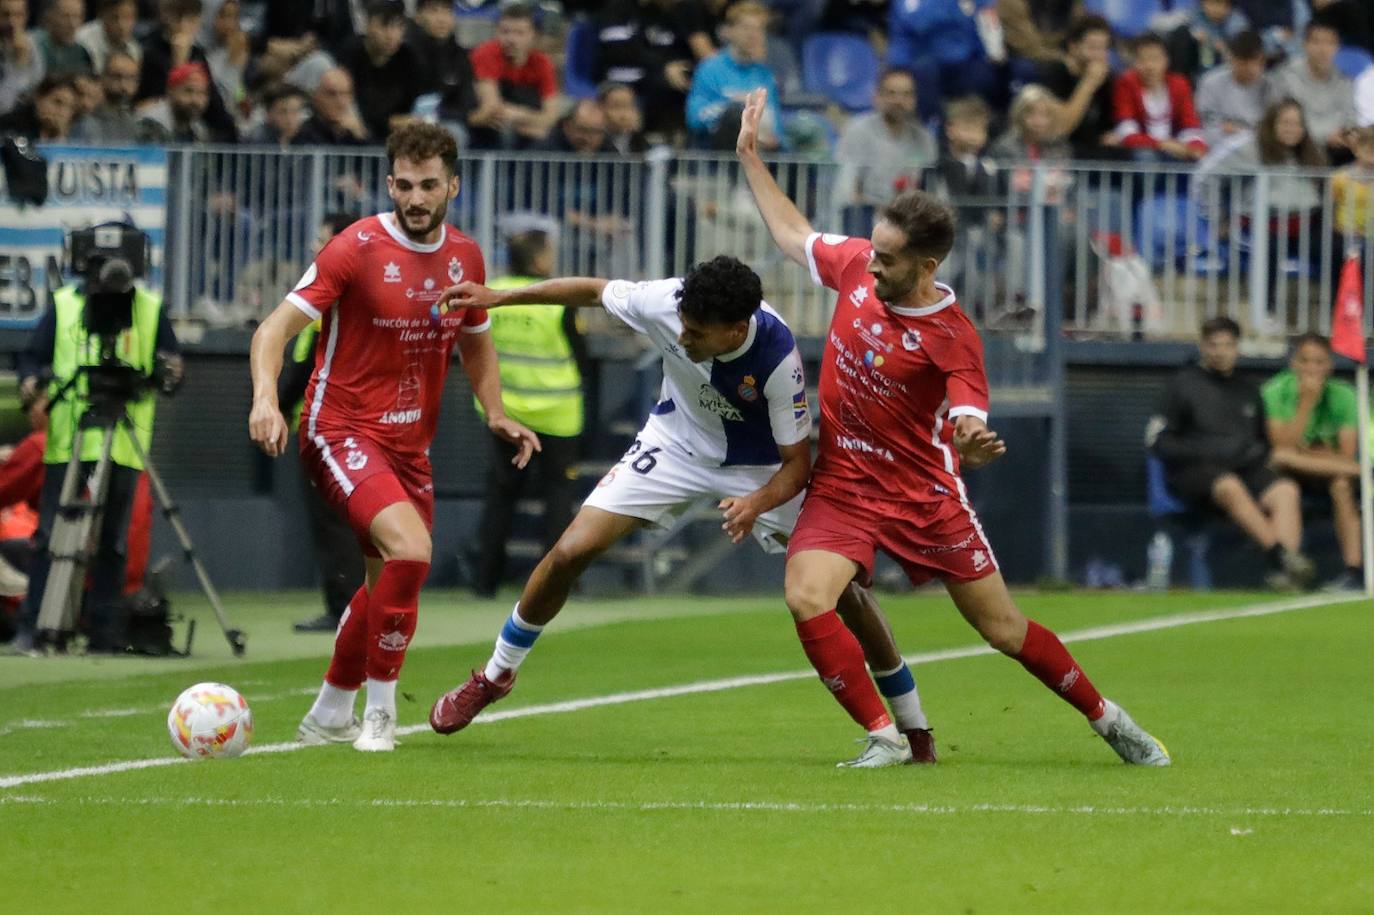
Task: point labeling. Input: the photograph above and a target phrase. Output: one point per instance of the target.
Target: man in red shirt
(904, 401)
(1155, 117)
(371, 410)
(517, 86)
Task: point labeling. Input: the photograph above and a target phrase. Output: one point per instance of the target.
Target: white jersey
(733, 410)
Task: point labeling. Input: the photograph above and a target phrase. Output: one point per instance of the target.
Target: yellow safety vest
(541, 385)
(303, 350)
(73, 348)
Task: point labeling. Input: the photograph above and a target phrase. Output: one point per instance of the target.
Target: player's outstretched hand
(267, 428)
(468, 294)
(740, 513)
(977, 445)
(523, 439)
(748, 142)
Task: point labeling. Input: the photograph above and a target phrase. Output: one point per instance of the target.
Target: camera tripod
(78, 517)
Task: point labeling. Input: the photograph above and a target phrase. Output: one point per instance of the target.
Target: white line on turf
(1153, 624)
(722, 806)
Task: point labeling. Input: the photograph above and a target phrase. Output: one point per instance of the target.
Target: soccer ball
(210, 719)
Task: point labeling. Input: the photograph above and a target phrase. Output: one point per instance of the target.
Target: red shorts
(359, 478)
(940, 539)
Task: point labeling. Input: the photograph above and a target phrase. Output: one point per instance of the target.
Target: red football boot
(922, 745)
(455, 709)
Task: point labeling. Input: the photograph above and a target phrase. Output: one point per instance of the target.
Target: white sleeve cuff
(477, 328)
(811, 257)
(310, 310)
(956, 412)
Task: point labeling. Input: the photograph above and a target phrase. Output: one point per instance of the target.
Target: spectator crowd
(1174, 86)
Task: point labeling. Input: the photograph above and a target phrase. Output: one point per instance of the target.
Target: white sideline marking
(712, 686)
(131, 711)
(722, 806)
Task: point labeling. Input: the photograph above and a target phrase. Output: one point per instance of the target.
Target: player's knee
(805, 600)
(1284, 492)
(1227, 488)
(571, 554)
(1003, 634)
(413, 546)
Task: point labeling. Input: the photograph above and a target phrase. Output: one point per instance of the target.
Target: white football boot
(879, 753)
(379, 732)
(314, 734)
(1131, 742)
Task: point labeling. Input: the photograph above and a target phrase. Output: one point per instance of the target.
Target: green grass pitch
(722, 797)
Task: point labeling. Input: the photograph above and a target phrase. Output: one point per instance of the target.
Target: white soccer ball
(210, 720)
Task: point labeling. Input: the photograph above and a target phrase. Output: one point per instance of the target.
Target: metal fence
(1121, 252)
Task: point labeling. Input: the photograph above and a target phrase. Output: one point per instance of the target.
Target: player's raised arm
(571, 292)
(266, 425)
(789, 228)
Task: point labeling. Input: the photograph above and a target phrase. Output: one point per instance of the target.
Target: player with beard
(371, 410)
(904, 402)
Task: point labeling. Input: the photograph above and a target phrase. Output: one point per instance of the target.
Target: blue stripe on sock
(518, 635)
(896, 684)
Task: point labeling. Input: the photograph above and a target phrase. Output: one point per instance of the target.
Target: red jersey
(384, 348)
(536, 73)
(892, 382)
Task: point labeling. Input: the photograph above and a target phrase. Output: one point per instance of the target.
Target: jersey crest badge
(455, 270)
(911, 341)
(748, 389)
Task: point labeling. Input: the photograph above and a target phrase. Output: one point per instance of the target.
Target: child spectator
(1155, 118)
(624, 123)
(1230, 99)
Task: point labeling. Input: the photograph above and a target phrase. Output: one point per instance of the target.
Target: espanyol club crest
(748, 389)
(455, 270)
(911, 341)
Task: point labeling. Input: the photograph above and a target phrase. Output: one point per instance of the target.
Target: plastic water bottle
(1160, 556)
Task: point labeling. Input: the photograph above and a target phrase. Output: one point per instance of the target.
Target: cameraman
(59, 347)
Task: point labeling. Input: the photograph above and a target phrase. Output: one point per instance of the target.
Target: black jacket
(1206, 418)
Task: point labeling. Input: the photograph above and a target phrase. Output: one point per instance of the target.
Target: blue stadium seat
(1129, 17)
(579, 62)
(1352, 60)
(842, 67)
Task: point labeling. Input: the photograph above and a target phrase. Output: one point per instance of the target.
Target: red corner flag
(1347, 324)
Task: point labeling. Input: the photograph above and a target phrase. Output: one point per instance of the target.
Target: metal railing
(1140, 252)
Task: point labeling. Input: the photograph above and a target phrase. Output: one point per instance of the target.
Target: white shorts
(657, 485)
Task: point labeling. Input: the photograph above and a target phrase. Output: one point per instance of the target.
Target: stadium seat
(1129, 17)
(1166, 509)
(1352, 60)
(579, 63)
(841, 67)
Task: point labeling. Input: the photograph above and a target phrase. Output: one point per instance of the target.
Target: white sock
(333, 707)
(515, 641)
(1103, 723)
(888, 732)
(899, 689)
(381, 694)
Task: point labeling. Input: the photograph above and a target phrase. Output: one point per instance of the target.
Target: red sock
(839, 660)
(1046, 657)
(346, 668)
(391, 614)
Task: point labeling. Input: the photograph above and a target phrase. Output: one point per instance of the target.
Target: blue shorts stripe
(896, 684)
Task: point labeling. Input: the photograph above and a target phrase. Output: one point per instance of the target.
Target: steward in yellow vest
(538, 351)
